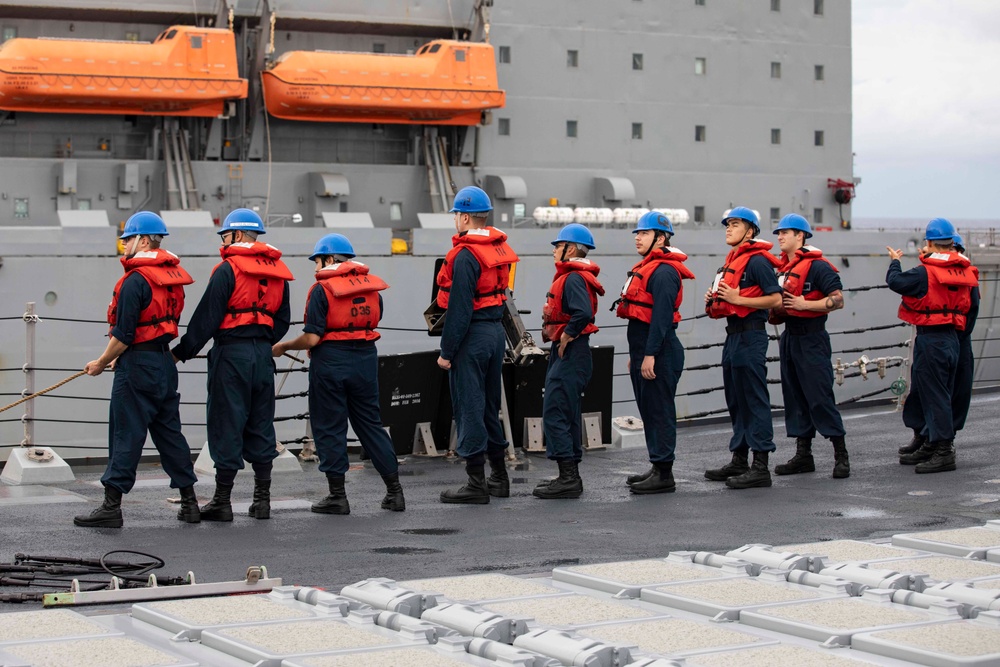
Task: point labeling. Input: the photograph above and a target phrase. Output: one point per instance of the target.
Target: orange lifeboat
(186, 71)
(446, 82)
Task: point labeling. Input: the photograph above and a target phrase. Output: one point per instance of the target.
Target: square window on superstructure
(775, 5)
(775, 214)
(343, 207)
(818, 138)
(503, 54)
(503, 127)
(818, 7)
(817, 216)
(572, 58)
(637, 130)
(775, 70)
(699, 3)
(699, 214)
(700, 66)
(9, 32)
(396, 211)
(378, 47)
(637, 61)
(775, 135)
(83, 204)
(819, 73)
(20, 207)
(571, 128)
(699, 133)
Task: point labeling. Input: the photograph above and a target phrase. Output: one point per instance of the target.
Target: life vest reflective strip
(792, 277)
(950, 279)
(166, 278)
(636, 302)
(353, 310)
(260, 277)
(554, 320)
(731, 273)
(489, 246)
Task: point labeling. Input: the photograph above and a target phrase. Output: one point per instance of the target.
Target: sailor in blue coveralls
(472, 286)
(342, 311)
(145, 307)
(567, 322)
(913, 412)
(812, 289)
(744, 288)
(245, 311)
(650, 300)
(937, 299)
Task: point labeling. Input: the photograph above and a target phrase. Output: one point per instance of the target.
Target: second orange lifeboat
(186, 71)
(446, 82)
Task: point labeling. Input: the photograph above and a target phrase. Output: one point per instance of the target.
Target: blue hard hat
(654, 220)
(743, 213)
(144, 222)
(471, 200)
(796, 222)
(940, 229)
(959, 243)
(243, 220)
(575, 233)
(333, 244)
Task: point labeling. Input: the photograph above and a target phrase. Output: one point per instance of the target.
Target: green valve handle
(898, 387)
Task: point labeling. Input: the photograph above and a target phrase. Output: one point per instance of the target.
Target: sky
(926, 99)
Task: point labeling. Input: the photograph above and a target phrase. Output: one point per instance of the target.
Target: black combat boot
(738, 466)
(915, 444)
(499, 481)
(108, 515)
(567, 485)
(393, 493)
(260, 508)
(923, 453)
(336, 502)
(942, 460)
(189, 512)
(633, 479)
(474, 492)
(660, 481)
(841, 463)
(219, 508)
(801, 462)
(758, 475)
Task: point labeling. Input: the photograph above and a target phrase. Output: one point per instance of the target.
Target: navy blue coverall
(144, 398)
(744, 366)
(343, 385)
(567, 377)
(961, 397)
(240, 405)
(473, 341)
(935, 361)
(806, 371)
(658, 339)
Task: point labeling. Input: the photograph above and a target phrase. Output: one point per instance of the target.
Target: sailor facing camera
(342, 311)
(937, 298)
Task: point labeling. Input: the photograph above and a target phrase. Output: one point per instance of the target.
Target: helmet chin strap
(652, 244)
(562, 257)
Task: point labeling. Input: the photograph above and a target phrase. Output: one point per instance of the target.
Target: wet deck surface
(524, 535)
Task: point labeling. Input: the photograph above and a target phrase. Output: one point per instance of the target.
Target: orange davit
(446, 82)
(186, 71)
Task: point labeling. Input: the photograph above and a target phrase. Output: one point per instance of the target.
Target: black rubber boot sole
(789, 469)
(100, 522)
(722, 474)
(751, 483)
(224, 514)
(653, 490)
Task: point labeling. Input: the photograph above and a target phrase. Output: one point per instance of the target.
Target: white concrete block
(286, 462)
(21, 469)
(627, 433)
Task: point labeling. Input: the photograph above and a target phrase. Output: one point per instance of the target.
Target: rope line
(43, 391)
(303, 415)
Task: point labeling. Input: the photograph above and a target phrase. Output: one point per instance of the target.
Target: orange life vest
(166, 278)
(732, 272)
(636, 302)
(353, 310)
(950, 279)
(260, 283)
(792, 276)
(489, 246)
(554, 320)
